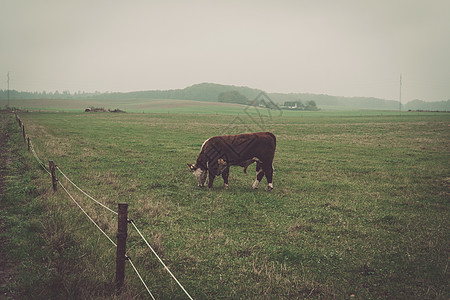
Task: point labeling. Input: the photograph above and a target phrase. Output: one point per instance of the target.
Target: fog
(342, 48)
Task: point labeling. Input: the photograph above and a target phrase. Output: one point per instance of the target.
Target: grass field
(139, 105)
(360, 208)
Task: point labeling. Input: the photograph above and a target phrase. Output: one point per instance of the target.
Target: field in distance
(127, 105)
(359, 210)
(180, 106)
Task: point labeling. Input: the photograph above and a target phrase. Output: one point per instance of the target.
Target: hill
(200, 92)
(210, 92)
(338, 103)
(429, 106)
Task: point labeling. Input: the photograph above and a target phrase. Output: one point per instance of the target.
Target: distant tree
(289, 103)
(233, 97)
(311, 105)
(300, 105)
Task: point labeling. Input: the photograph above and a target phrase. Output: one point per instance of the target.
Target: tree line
(13, 94)
(238, 98)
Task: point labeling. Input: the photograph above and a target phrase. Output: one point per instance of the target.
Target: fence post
(28, 143)
(121, 245)
(23, 133)
(51, 166)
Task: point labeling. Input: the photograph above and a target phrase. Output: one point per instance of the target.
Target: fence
(122, 216)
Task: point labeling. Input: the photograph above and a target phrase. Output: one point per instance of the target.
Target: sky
(335, 47)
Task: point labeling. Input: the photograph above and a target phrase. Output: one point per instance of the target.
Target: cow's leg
(211, 179)
(225, 174)
(259, 175)
(268, 171)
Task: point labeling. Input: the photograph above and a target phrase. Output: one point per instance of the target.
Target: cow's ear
(221, 162)
(191, 167)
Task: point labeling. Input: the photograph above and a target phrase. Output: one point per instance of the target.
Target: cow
(218, 153)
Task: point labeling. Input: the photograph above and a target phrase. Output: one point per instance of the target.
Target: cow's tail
(274, 144)
(273, 137)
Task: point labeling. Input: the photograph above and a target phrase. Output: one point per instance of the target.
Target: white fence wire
(87, 215)
(87, 195)
(160, 260)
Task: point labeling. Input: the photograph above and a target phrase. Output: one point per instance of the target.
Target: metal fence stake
(51, 166)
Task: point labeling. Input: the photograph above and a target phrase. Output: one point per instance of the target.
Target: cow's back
(241, 147)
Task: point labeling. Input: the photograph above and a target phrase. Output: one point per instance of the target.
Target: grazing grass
(139, 105)
(359, 210)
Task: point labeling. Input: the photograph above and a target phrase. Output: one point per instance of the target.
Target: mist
(350, 48)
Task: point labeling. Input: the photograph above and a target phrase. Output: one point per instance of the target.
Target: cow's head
(199, 174)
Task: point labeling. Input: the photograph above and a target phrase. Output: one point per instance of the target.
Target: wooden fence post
(121, 245)
(23, 133)
(28, 143)
(51, 166)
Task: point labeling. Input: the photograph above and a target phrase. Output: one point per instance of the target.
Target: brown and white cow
(220, 152)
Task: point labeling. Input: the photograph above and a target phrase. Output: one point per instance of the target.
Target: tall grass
(360, 206)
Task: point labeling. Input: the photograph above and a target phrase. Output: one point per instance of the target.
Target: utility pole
(400, 96)
(8, 88)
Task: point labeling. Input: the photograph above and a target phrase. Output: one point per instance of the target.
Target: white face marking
(200, 175)
(255, 184)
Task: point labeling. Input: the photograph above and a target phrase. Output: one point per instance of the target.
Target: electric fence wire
(71, 197)
(115, 245)
(104, 233)
(37, 158)
(160, 260)
(87, 195)
(139, 275)
(89, 217)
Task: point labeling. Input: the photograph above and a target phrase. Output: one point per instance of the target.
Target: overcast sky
(342, 48)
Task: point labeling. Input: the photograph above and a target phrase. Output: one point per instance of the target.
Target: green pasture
(359, 210)
(139, 105)
(144, 105)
